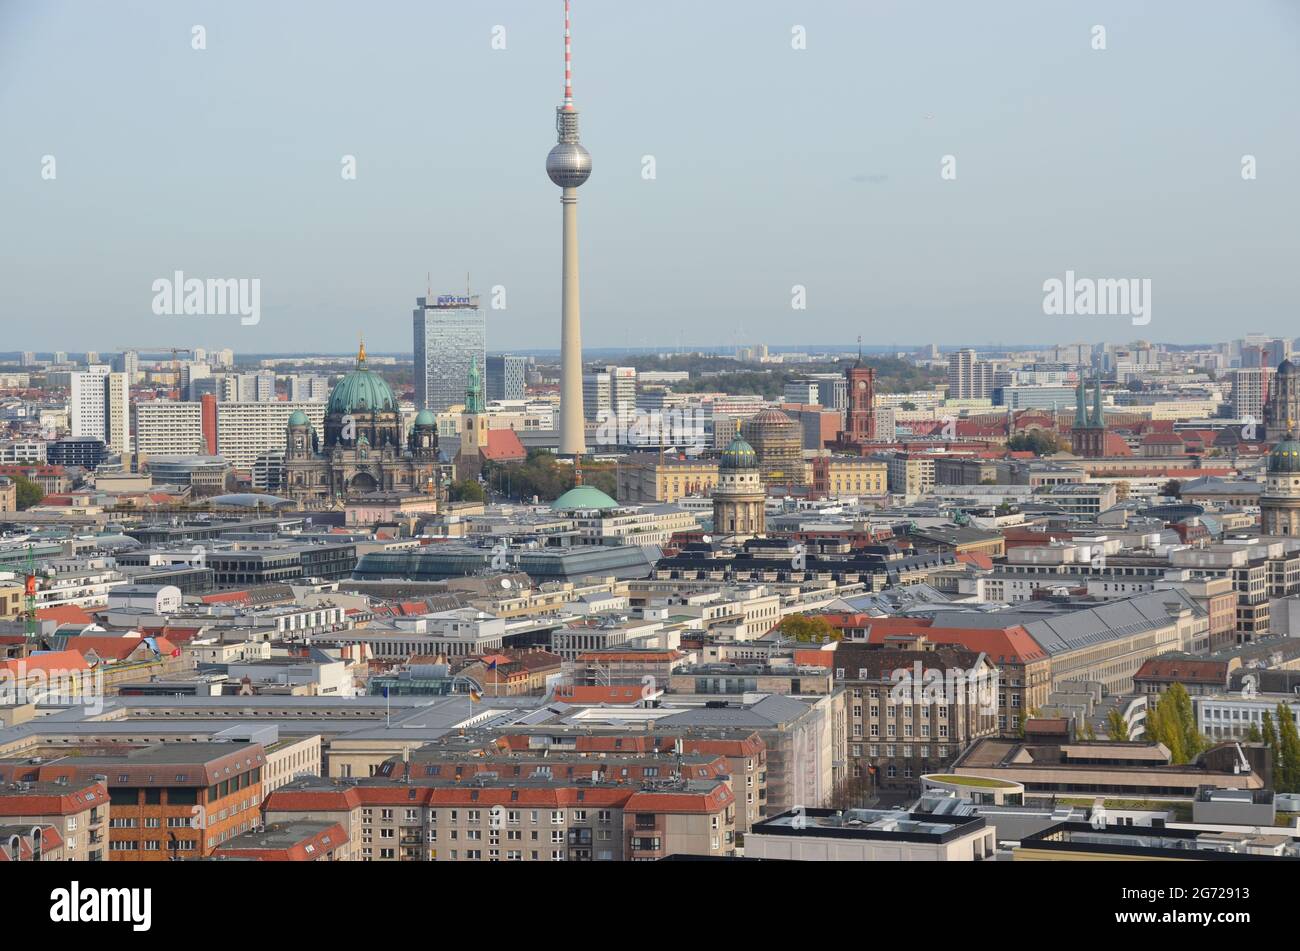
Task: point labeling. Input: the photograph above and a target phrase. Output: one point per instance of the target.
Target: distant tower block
(569, 165)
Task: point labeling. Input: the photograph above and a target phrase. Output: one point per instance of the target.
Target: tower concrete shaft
(573, 440)
(569, 165)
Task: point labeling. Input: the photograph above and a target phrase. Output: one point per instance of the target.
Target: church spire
(474, 392)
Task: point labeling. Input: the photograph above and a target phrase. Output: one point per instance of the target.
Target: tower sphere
(568, 164)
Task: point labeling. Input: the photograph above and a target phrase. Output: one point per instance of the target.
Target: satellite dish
(707, 539)
(505, 582)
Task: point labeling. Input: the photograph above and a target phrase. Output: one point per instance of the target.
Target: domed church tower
(739, 496)
(1279, 503)
(365, 449)
(1282, 408)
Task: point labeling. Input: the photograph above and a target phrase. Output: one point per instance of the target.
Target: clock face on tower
(862, 384)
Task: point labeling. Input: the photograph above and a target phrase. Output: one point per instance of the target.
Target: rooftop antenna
(428, 286)
(568, 63)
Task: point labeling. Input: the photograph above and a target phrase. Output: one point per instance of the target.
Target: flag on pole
(475, 695)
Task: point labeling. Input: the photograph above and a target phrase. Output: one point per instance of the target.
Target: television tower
(569, 165)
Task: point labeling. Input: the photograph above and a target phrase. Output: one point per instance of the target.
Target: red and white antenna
(568, 61)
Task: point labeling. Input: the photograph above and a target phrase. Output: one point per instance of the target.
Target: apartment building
(1024, 668)
(910, 712)
(77, 810)
(299, 841)
(516, 820)
(911, 474)
(744, 753)
(168, 801)
(169, 428)
(245, 430)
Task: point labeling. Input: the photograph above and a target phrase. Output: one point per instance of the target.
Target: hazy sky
(774, 167)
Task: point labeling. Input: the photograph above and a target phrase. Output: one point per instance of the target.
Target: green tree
(809, 629)
(1274, 744)
(603, 479)
(1173, 487)
(1173, 723)
(1287, 776)
(1163, 727)
(29, 493)
(1038, 441)
(467, 490)
(1194, 743)
(541, 475)
(1116, 727)
(1253, 734)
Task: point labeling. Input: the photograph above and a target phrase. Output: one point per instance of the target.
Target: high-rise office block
(968, 378)
(506, 377)
(99, 407)
(128, 362)
(246, 430)
(308, 388)
(169, 428)
(450, 335)
(1250, 392)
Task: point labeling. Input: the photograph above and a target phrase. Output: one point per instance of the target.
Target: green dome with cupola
(1285, 457)
(362, 391)
(738, 455)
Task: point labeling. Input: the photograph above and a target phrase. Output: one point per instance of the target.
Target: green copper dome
(1285, 457)
(425, 418)
(583, 497)
(299, 418)
(738, 455)
(362, 390)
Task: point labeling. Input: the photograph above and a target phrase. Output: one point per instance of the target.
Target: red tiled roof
(64, 614)
(45, 662)
(979, 559)
(584, 694)
(118, 648)
(50, 839)
(503, 445)
(1116, 446)
(307, 849)
(650, 655)
(1183, 670)
(224, 597)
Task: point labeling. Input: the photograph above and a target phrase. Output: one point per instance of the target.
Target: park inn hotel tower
(450, 337)
(569, 165)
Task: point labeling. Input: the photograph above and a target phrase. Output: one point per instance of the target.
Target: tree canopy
(809, 629)
(29, 493)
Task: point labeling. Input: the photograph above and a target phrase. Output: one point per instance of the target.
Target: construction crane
(29, 589)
